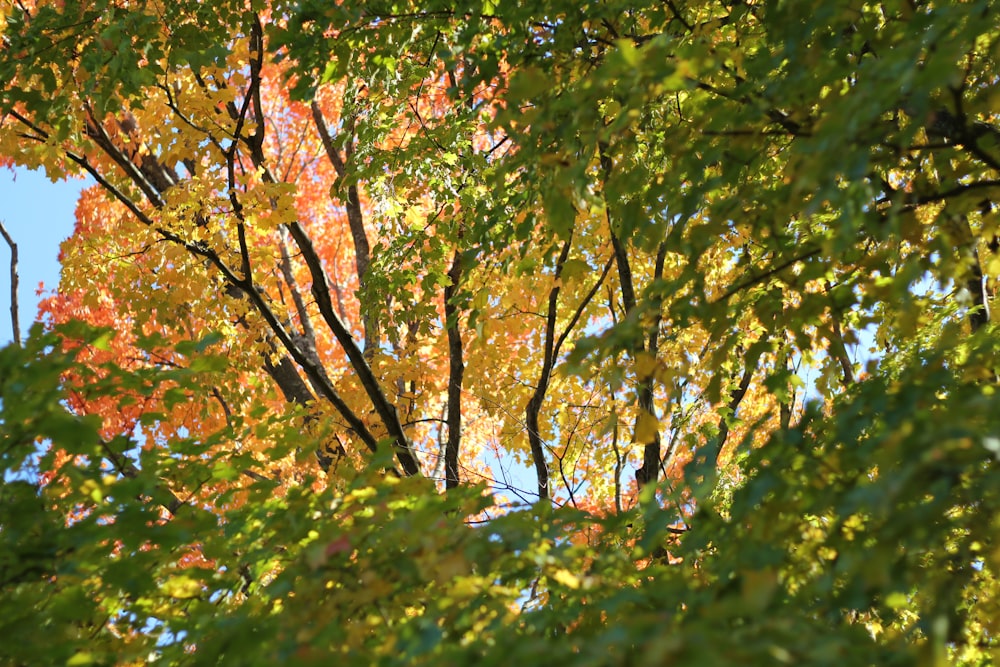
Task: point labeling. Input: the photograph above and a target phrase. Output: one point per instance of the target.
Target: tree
(613, 247)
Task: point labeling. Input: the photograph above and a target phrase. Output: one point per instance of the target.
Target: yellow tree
(337, 244)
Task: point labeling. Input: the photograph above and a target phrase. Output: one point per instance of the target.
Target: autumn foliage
(453, 333)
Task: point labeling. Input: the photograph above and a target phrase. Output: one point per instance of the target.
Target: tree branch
(357, 358)
(311, 369)
(14, 321)
(750, 282)
(456, 372)
(355, 220)
(840, 348)
(651, 451)
(534, 406)
(735, 398)
(386, 410)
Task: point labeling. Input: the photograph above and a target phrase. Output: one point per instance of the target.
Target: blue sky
(39, 215)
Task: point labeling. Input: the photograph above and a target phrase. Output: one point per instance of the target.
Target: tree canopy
(492, 332)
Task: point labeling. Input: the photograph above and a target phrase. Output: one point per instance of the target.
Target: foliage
(604, 333)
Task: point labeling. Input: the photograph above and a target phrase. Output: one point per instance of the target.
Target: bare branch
(14, 321)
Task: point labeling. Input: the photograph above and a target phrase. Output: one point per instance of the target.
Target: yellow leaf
(181, 587)
(896, 600)
(993, 267)
(645, 365)
(566, 578)
(646, 428)
(93, 489)
(103, 342)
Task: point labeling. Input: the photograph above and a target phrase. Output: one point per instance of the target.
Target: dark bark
(735, 398)
(650, 469)
(534, 406)
(456, 371)
(383, 407)
(651, 452)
